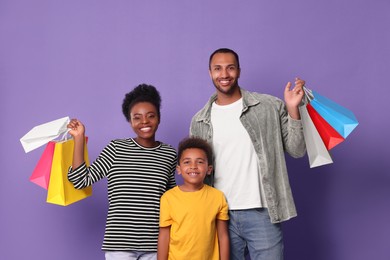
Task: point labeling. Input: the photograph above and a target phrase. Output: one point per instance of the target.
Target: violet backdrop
(79, 58)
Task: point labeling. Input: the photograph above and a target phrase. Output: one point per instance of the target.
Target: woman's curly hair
(141, 93)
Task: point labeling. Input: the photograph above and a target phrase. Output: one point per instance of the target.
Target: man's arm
(163, 243)
(223, 239)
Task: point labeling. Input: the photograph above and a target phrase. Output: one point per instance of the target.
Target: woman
(138, 170)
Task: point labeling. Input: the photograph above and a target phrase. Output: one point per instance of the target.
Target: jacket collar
(248, 99)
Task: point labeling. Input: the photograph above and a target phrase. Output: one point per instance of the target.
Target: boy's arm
(223, 239)
(163, 243)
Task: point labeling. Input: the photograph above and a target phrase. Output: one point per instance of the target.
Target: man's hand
(293, 97)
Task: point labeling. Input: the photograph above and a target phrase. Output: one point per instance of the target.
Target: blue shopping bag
(339, 117)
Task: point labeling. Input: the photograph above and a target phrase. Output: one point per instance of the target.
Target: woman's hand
(77, 128)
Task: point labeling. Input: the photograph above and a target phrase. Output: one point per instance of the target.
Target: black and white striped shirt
(137, 177)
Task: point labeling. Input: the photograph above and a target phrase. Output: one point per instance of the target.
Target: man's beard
(227, 91)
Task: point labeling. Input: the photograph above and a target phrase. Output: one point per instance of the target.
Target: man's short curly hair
(195, 142)
(141, 93)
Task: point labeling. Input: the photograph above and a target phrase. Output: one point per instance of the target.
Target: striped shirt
(137, 177)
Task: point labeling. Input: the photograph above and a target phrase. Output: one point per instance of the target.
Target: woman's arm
(77, 131)
(163, 243)
(223, 239)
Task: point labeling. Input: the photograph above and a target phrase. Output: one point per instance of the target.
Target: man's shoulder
(259, 95)
(256, 99)
(202, 113)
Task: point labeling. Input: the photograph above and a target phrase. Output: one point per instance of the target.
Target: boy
(193, 216)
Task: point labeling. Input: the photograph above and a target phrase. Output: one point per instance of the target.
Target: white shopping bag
(316, 149)
(44, 133)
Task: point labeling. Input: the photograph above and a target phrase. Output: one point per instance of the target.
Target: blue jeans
(251, 231)
(130, 255)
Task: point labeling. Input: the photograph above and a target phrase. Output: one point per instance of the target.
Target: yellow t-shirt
(192, 217)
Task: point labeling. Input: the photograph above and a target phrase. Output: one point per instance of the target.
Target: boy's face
(193, 166)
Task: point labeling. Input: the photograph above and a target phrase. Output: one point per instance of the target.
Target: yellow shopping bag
(61, 190)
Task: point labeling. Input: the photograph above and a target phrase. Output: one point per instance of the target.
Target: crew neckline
(146, 148)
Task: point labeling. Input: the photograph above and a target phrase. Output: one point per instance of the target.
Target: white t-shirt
(236, 167)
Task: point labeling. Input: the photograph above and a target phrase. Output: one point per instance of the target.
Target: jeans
(130, 255)
(251, 231)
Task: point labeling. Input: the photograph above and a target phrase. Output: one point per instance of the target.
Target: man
(250, 133)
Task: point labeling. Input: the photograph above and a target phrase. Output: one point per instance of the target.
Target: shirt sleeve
(292, 133)
(172, 181)
(165, 216)
(223, 212)
(84, 176)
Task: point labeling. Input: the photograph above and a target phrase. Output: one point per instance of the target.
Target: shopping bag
(328, 134)
(44, 133)
(41, 173)
(339, 117)
(61, 190)
(315, 147)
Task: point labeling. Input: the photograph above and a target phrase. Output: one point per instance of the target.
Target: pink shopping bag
(41, 173)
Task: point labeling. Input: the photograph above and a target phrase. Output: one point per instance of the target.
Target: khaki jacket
(273, 132)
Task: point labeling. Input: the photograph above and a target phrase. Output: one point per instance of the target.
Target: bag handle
(64, 135)
(308, 93)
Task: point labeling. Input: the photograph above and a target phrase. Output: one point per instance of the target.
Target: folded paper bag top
(44, 133)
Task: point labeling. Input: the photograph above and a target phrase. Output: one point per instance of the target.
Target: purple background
(79, 58)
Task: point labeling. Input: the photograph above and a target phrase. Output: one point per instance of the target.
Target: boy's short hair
(141, 93)
(195, 142)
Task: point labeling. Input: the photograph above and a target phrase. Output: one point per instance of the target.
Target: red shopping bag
(328, 134)
(41, 173)
(316, 151)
